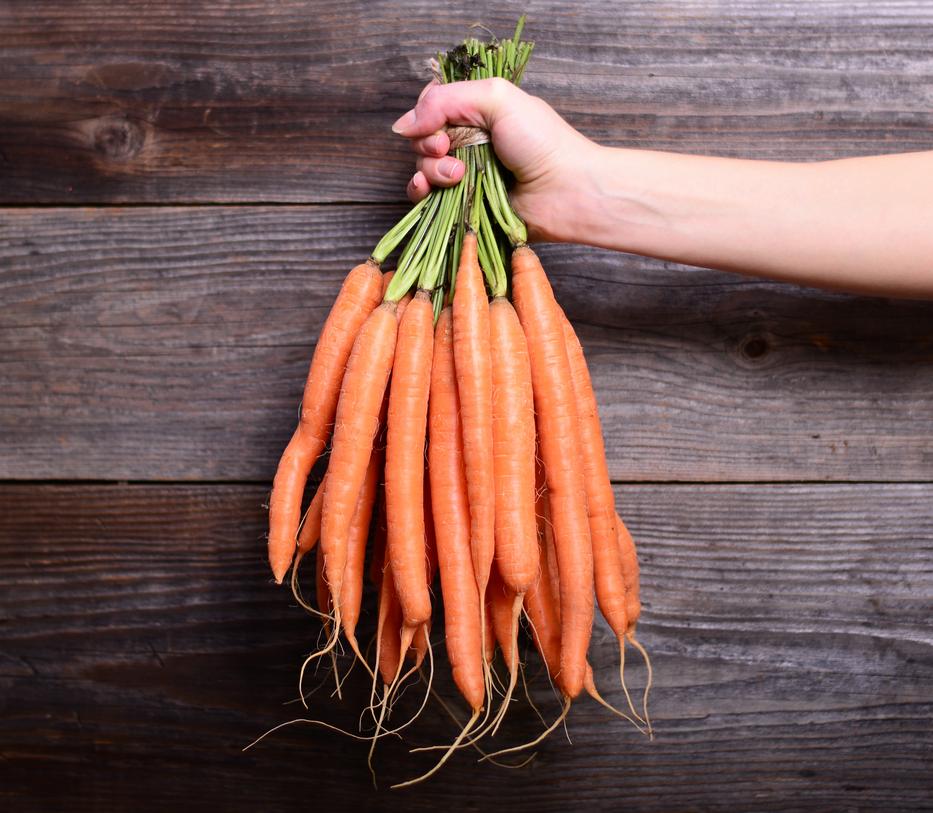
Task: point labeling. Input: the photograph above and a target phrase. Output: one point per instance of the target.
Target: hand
(545, 154)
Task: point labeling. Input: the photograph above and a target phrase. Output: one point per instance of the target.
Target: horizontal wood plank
(204, 100)
(172, 343)
(142, 645)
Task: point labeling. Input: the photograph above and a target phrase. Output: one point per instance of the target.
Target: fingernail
(404, 122)
(448, 167)
(433, 143)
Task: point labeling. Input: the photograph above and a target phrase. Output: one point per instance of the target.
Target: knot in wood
(118, 138)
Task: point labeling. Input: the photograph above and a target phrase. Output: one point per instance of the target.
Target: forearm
(861, 224)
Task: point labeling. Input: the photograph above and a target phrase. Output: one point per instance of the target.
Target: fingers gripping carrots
(465, 438)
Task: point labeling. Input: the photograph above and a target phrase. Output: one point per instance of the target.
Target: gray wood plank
(143, 645)
(292, 101)
(172, 343)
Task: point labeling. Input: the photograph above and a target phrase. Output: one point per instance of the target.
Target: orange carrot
(351, 594)
(633, 604)
(419, 646)
(558, 435)
(377, 562)
(356, 425)
(502, 601)
(474, 386)
(322, 593)
(629, 558)
(358, 296)
(600, 500)
(451, 513)
(489, 634)
(550, 552)
(513, 425)
(408, 408)
(310, 531)
(541, 606)
(389, 628)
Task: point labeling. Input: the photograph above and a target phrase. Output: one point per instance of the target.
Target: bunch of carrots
(464, 439)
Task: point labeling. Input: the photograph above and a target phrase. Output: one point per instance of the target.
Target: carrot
(377, 560)
(633, 603)
(550, 552)
(600, 500)
(407, 423)
(629, 564)
(388, 628)
(541, 607)
(558, 435)
(322, 595)
(502, 601)
(489, 634)
(421, 641)
(513, 425)
(451, 511)
(474, 386)
(310, 531)
(357, 422)
(358, 296)
(351, 594)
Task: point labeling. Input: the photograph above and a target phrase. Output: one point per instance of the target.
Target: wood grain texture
(173, 343)
(203, 100)
(142, 646)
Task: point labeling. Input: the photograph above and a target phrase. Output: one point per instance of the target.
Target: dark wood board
(172, 343)
(142, 645)
(202, 100)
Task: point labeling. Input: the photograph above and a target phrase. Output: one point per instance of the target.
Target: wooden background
(185, 183)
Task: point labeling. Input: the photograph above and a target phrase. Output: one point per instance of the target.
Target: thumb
(477, 103)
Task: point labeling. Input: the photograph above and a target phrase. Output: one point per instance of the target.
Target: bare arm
(859, 224)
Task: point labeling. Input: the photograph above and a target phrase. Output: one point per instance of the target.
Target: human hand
(547, 156)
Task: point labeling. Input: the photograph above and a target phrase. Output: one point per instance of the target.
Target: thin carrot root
(590, 686)
(315, 655)
(453, 716)
(372, 748)
(320, 723)
(628, 697)
(387, 694)
(337, 680)
(447, 754)
(528, 697)
(296, 589)
(513, 667)
(540, 738)
(644, 653)
(355, 647)
(424, 701)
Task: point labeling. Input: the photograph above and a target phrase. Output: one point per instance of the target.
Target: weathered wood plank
(173, 344)
(292, 101)
(142, 645)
